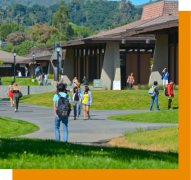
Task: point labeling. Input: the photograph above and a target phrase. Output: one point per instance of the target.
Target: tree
(1, 62)
(60, 18)
(41, 33)
(17, 38)
(8, 28)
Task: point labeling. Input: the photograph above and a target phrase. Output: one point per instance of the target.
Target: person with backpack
(86, 101)
(169, 93)
(131, 81)
(76, 102)
(62, 108)
(154, 92)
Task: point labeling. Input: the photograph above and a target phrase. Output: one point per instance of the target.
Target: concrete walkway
(80, 131)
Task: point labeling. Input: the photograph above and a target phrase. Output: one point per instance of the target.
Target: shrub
(33, 77)
(144, 87)
(50, 76)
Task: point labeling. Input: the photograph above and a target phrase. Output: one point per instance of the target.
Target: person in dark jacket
(155, 97)
(85, 81)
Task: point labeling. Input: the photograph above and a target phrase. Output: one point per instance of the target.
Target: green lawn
(168, 116)
(165, 139)
(20, 81)
(13, 127)
(110, 100)
(44, 154)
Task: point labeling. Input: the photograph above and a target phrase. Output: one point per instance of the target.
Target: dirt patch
(124, 143)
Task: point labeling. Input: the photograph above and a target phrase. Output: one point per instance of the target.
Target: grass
(46, 154)
(110, 100)
(169, 116)
(13, 127)
(6, 81)
(165, 139)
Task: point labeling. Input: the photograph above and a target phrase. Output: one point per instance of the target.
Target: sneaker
(158, 109)
(15, 110)
(74, 118)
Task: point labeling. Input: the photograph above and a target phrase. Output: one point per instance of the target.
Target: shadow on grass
(49, 148)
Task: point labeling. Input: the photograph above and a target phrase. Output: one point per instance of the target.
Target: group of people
(41, 77)
(14, 93)
(168, 88)
(79, 98)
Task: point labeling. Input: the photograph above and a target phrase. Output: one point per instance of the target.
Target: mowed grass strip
(46, 154)
(165, 139)
(168, 116)
(109, 100)
(13, 127)
(6, 81)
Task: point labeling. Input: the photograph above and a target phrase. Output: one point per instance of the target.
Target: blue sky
(138, 2)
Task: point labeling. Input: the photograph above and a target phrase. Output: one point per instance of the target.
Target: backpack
(64, 107)
(152, 91)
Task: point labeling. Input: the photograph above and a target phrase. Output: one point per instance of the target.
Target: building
(114, 54)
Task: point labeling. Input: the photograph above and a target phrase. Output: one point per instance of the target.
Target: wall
(160, 59)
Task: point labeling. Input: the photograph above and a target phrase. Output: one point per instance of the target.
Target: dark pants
(169, 103)
(130, 86)
(16, 100)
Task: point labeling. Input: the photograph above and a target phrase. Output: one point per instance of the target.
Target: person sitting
(84, 81)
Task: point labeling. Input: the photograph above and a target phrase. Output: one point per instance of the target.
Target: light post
(33, 54)
(58, 50)
(14, 54)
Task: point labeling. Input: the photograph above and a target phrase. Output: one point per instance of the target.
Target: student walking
(58, 119)
(86, 101)
(26, 71)
(170, 93)
(154, 96)
(42, 79)
(165, 76)
(10, 94)
(131, 81)
(16, 89)
(76, 102)
(46, 79)
(80, 92)
(75, 81)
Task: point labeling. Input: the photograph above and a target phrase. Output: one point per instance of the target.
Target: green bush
(33, 77)
(50, 76)
(144, 87)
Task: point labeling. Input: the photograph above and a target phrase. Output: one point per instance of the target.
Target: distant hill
(28, 3)
(47, 3)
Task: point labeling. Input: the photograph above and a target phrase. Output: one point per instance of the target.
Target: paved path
(80, 131)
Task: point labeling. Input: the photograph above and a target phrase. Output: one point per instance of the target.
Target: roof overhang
(167, 27)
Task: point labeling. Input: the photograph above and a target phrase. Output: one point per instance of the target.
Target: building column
(68, 70)
(111, 65)
(160, 59)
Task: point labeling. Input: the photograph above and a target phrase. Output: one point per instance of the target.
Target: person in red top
(131, 81)
(170, 93)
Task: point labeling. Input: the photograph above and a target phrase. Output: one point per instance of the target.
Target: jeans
(65, 128)
(169, 103)
(46, 82)
(154, 98)
(76, 108)
(130, 86)
(80, 107)
(26, 74)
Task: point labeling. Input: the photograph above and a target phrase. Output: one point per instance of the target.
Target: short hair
(170, 80)
(61, 87)
(155, 82)
(78, 84)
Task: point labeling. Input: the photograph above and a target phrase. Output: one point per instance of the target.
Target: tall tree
(60, 18)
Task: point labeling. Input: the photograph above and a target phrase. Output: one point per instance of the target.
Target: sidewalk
(80, 131)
